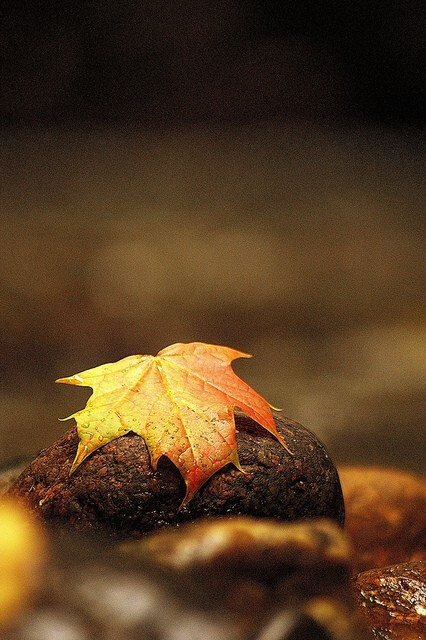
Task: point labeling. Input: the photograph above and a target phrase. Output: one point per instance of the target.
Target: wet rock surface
(96, 591)
(393, 600)
(385, 515)
(117, 492)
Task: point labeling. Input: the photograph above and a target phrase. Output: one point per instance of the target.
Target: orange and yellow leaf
(181, 402)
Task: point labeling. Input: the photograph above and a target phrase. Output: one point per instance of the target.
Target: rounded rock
(117, 492)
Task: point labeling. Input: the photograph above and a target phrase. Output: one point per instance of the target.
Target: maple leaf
(180, 401)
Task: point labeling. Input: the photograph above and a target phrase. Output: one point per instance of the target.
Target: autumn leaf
(180, 401)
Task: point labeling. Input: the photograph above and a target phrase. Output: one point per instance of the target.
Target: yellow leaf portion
(181, 402)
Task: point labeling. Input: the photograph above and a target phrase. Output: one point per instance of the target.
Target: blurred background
(245, 173)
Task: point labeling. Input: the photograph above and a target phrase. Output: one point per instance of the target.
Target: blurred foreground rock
(116, 491)
(240, 579)
(394, 600)
(385, 515)
(267, 566)
(22, 558)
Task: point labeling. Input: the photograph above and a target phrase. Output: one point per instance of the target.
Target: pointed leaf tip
(77, 379)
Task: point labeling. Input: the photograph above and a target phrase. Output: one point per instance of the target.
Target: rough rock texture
(385, 515)
(394, 600)
(116, 490)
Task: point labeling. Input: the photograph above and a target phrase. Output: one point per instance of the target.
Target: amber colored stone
(393, 600)
(117, 492)
(385, 515)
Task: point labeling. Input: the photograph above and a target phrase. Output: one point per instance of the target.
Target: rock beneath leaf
(385, 515)
(393, 600)
(117, 492)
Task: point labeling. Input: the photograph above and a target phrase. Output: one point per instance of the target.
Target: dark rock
(393, 600)
(116, 490)
(385, 515)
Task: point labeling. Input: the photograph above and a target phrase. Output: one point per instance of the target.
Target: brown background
(225, 172)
